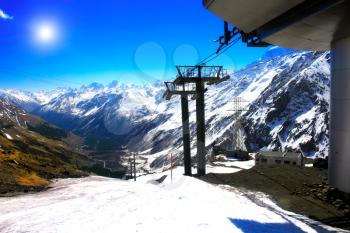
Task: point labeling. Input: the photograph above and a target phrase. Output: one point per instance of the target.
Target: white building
(270, 158)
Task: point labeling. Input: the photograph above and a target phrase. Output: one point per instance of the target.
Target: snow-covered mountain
(31, 101)
(288, 108)
(292, 112)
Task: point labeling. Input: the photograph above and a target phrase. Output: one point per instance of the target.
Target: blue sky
(133, 41)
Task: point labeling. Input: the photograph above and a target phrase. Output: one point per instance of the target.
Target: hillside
(32, 152)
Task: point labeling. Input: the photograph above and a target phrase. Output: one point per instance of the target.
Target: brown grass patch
(18, 157)
(32, 179)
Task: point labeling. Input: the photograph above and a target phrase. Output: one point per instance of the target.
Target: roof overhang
(296, 24)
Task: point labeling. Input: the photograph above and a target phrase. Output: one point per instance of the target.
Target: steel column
(200, 104)
(339, 156)
(186, 135)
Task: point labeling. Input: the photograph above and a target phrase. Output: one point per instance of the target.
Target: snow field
(98, 204)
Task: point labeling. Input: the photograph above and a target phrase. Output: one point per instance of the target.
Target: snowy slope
(293, 111)
(97, 204)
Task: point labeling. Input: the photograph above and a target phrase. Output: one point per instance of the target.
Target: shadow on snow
(250, 226)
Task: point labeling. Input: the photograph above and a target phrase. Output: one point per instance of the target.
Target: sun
(46, 33)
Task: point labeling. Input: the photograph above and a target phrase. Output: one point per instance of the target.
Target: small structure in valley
(235, 154)
(269, 158)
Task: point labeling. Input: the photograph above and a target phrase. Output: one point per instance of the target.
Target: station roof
(314, 32)
(279, 154)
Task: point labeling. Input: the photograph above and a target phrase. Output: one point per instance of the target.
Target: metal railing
(201, 72)
(184, 87)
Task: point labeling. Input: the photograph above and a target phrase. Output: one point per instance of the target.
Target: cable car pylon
(192, 80)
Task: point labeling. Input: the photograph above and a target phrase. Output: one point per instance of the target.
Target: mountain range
(284, 106)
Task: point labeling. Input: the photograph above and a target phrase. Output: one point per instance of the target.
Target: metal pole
(186, 135)
(200, 114)
(131, 173)
(171, 167)
(134, 167)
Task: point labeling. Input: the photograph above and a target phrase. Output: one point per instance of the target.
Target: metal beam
(181, 80)
(200, 114)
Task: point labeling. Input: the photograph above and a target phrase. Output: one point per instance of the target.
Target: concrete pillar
(186, 135)
(339, 156)
(200, 104)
